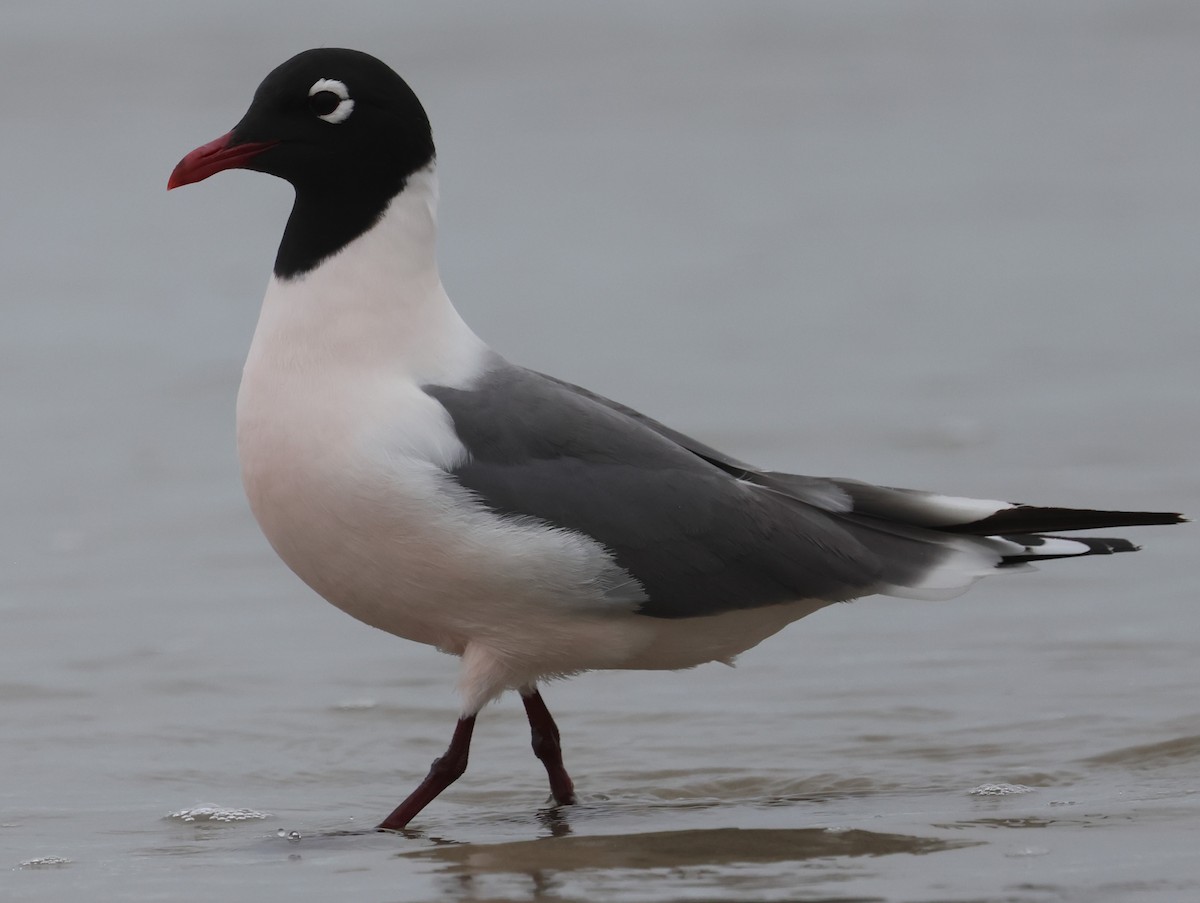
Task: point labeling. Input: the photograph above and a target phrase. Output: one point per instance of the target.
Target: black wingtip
(1034, 519)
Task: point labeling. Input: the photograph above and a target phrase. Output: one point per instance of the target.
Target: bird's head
(344, 129)
(327, 120)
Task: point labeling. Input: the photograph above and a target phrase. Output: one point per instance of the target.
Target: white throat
(377, 304)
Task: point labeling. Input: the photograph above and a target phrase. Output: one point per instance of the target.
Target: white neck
(377, 304)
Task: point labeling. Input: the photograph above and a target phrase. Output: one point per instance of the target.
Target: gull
(423, 484)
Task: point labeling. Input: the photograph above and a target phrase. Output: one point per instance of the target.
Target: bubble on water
(294, 836)
(45, 862)
(999, 789)
(221, 814)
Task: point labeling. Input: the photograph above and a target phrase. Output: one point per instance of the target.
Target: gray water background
(941, 245)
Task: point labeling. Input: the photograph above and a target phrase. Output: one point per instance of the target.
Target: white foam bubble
(216, 814)
(1000, 789)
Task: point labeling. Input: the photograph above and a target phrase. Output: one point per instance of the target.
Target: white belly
(353, 493)
(347, 465)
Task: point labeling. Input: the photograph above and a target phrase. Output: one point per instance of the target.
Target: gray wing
(914, 507)
(685, 520)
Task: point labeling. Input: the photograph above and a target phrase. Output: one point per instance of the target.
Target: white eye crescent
(330, 100)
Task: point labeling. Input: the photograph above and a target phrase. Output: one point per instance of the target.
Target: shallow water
(933, 245)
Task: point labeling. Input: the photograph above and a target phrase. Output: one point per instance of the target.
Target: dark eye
(324, 102)
(329, 99)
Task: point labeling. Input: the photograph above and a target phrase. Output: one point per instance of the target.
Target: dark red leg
(446, 769)
(546, 746)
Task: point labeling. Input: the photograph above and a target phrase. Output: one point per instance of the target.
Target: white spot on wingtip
(1056, 545)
